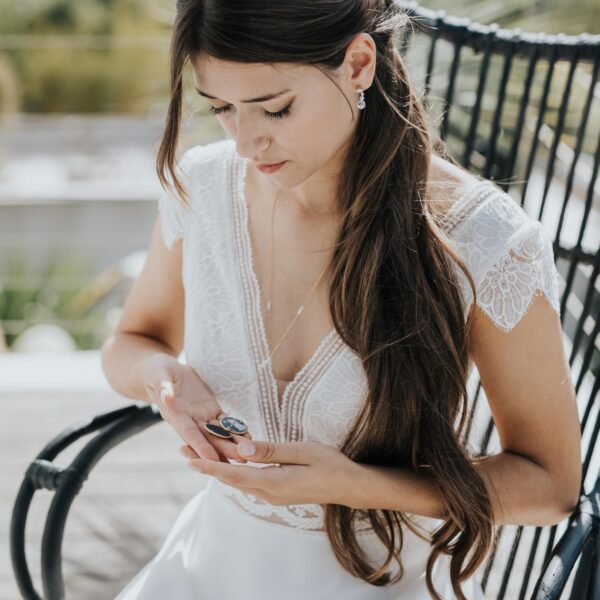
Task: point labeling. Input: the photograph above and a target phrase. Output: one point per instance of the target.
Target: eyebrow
(251, 100)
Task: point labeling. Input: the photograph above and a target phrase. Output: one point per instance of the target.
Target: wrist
(398, 489)
(357, 478)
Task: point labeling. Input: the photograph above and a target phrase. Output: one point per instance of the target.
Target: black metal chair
(518, 108)
(522, 126)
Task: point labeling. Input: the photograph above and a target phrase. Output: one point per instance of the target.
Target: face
(308, 123)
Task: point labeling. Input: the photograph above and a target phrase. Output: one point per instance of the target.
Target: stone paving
(124, 510)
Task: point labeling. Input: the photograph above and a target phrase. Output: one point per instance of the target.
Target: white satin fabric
(217, 550)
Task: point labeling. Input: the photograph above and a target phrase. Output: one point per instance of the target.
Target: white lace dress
(227, 544)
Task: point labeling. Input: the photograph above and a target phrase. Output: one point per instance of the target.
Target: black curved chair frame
(116, 426)
(112, 428)
(580, 543)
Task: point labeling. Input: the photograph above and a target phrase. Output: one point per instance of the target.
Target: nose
(250, 139)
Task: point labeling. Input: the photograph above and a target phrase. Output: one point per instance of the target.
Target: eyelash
(276, 115)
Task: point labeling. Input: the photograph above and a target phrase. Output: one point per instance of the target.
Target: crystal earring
(361, 101)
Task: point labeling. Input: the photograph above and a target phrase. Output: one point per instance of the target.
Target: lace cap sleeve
(511, 259)
(174, 215)
(526, 269)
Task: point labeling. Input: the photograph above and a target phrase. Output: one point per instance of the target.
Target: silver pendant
(234, 425)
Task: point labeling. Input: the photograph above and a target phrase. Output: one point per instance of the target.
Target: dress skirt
(217, 550)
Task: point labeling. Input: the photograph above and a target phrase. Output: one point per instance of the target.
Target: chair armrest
(112, 428)
(580, 539)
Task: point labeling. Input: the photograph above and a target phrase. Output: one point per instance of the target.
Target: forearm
(125, 357)
(521, 491)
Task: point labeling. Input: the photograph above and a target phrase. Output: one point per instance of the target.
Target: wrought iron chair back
(535, 117)
(523, 109)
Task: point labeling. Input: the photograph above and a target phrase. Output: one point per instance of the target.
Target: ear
(360, 61)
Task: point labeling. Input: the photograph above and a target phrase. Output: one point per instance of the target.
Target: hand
(307, 472)
(186, 403)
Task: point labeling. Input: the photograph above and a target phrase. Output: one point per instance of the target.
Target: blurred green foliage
(132, 77)
(30, 295)
(123, 80)
(81, 16)
(96, 71)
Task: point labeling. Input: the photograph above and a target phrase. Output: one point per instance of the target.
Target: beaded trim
(283, 419)
(296, 392)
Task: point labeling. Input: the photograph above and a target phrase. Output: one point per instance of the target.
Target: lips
(269, 168)
(272, 164)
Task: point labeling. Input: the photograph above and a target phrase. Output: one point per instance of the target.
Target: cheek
(333, 135)
(318, 128)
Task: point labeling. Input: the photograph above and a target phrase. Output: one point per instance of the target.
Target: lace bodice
(509, 254)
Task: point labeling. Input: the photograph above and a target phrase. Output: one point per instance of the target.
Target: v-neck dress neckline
(282, 411)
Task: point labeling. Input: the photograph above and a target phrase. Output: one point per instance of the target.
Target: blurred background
(83, 95)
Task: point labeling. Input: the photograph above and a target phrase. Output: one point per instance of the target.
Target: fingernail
(166, 389)
(247, 449)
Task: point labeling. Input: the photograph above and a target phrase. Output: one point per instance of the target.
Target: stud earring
(361, 101)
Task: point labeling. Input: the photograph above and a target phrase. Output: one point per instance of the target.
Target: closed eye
(270, 115)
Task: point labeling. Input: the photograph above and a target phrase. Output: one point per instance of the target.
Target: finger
(238, 439)
(241, 437)
(194, 465)
(225, 446)
(190, 453)
(296, 453)
(229, 445)
(261, 478)
(166, 389)
(193, 436)
(189, 432)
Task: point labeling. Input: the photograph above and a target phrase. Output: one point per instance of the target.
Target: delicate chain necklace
(264, 363)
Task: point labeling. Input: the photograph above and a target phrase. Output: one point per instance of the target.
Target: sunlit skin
(313, 136)
(535, 479)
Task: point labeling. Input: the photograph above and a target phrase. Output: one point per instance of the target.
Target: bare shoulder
(447, 183)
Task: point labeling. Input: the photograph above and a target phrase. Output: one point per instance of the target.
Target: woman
(333, 281)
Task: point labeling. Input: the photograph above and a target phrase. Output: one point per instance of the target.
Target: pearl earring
(361, 101)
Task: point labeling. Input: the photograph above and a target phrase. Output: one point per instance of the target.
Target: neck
(311, 200)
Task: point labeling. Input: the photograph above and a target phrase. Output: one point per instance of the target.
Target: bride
(333, 276)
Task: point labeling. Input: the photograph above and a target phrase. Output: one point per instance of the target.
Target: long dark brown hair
(394, 298)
